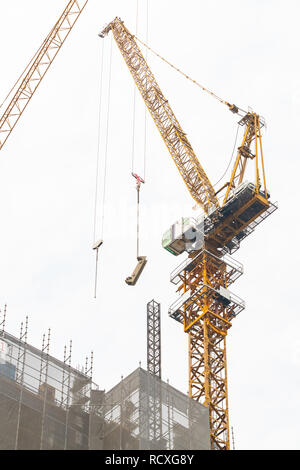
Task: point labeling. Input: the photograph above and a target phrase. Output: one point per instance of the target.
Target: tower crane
(32, 76)
(205, 306)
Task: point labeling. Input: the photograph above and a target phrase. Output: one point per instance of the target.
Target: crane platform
(227, 226)
(223, 228)
(178, 310)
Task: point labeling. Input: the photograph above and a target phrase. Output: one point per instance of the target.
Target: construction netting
(46, 404)
(143, 412)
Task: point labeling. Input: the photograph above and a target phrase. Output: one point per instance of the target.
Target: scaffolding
(44, 402)
(47, 404)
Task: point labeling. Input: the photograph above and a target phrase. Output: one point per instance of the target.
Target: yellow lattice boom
(38, 67)
(174, 137)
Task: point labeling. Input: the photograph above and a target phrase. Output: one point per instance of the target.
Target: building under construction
(47, 404)
(44, 402)
(143, 412)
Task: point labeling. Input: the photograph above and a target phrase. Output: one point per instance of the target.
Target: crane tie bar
(232, 107)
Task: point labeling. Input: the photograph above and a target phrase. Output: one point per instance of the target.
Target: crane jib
(35, 71)
(174, 137)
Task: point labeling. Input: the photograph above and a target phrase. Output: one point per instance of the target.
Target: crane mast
(38, 67)
(205, 306)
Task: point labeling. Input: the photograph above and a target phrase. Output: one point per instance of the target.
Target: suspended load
(132, 280)
(97, 245)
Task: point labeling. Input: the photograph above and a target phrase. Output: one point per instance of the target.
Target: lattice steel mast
(154, 368)
(153, 338)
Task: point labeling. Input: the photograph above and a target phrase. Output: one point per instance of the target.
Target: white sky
(247, 52)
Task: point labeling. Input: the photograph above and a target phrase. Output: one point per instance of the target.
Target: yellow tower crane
(205, 306)
(35, 71)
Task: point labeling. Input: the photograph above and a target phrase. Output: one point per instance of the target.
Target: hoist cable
(133, 130)
(96, 274)
(106, 141)
(146, 111)
(98, 144)
(134, 97)
(228, 166)
(105, 162)
(138, 223)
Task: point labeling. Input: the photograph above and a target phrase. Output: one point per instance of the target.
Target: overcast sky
(248, 53)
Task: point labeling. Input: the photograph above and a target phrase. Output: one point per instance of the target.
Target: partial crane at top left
(26, 85)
